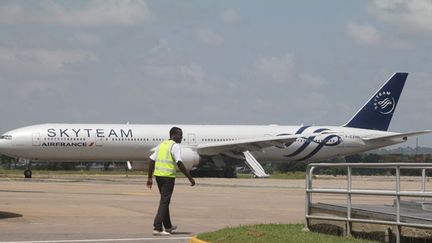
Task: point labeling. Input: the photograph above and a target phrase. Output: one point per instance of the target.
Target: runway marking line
(101, 240)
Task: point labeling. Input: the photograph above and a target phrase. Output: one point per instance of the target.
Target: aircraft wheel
(28, 174)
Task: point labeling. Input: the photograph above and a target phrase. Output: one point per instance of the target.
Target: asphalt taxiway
(121, 209)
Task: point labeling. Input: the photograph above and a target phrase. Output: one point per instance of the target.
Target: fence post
(398, 227)
(349, 187)
(423, 189)
(308, 198)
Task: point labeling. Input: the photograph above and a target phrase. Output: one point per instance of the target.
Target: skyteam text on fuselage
(366, 130)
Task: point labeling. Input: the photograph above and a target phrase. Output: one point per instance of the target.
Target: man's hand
(150, 183)
(192, 181)
(150, 174)
(185, 172)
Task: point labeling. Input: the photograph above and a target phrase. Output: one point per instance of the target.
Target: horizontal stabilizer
(396, 137)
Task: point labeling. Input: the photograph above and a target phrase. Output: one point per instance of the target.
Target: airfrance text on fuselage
(62, 144)
(87, 132)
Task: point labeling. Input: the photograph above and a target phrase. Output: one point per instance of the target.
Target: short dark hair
(173, 130)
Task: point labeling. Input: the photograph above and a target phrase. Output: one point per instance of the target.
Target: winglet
(377, 113)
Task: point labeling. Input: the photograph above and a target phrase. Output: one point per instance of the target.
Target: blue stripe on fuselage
(306, 143)
(321, 145)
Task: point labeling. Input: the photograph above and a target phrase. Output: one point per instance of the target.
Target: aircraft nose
(2, 146)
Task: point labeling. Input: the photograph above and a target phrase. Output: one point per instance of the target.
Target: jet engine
(189, 158)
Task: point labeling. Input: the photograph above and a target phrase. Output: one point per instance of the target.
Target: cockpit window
(8, 137)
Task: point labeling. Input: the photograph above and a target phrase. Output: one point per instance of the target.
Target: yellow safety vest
(165, 165)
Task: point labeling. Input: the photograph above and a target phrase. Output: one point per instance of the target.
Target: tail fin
(377, 113)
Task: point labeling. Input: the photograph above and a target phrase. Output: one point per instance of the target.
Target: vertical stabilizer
(377, 113)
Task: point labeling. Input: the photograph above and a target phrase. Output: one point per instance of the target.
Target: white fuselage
(118, 142)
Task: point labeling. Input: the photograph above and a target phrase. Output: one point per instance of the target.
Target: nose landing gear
(28, 174)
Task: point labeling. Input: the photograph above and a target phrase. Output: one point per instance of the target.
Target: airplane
(366, 130)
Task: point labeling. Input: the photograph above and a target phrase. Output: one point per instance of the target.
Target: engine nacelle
(189, 158)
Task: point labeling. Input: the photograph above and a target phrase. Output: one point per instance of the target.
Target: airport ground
(116, 208)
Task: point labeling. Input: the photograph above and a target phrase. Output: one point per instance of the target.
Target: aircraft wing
(249, 144)
(396, 137)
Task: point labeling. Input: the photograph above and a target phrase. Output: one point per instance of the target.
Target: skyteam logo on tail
(384, 102)
(378, 111)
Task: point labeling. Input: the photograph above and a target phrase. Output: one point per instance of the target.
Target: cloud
(363, 34)
(279, 69)
(312, 81)
(230, 16)
(193, 74)
(173, 76)
(319, 103)
(93, 13)
(367, 35)
(209, 37)
(161, 46)
(39, 61)
(160, 73)
(87, 40)
(410, 15)
(10, 14)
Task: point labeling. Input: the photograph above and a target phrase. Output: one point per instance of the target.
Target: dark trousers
(166, 188)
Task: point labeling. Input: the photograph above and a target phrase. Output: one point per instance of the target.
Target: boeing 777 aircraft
(366, 130)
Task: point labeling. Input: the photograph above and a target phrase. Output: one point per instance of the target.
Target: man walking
(163, 166)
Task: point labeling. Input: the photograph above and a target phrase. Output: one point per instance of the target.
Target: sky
(212, 62)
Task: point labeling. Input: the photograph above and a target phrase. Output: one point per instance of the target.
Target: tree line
(7, 162)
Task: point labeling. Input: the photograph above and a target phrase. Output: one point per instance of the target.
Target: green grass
(289, 175)
(273, 233)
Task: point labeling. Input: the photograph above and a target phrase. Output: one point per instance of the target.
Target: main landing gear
(28, 172)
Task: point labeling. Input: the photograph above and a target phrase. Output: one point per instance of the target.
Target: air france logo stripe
(302, 129)
(325, 142)
(306, 143)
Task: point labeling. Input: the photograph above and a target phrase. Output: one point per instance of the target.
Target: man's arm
(150, 174)
(185, 172)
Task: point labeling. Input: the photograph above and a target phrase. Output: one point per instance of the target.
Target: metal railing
(397, 193)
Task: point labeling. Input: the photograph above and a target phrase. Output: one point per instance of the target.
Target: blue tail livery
(377, 113)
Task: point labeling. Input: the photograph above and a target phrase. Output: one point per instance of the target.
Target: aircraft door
(99, 140)
(191, 139)
(36, 139)
(341, 141)
(91, 141)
